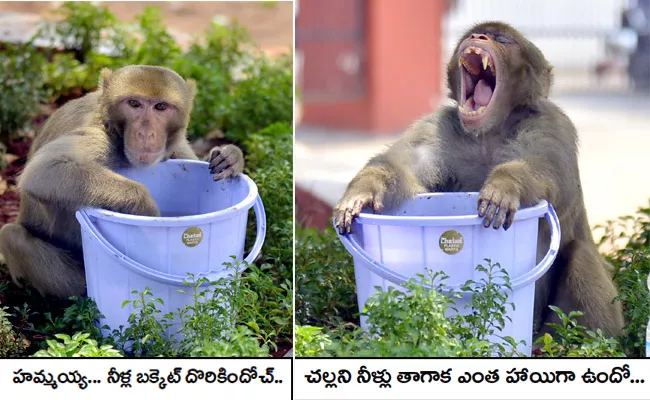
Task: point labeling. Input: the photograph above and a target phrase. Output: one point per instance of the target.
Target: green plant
(240, 91)
(573, 340)
(243, 313)
(326, 294)
(21, 87)
(81, 316)
(82, 26)
(146, 334)
(79, 345)
(10, 342)
(311, 341)
(264, 305)
(242, 343)
(263, 97)
(626, 242)
(413, 323)
(157, 46)
(65, 73)
(269, 163)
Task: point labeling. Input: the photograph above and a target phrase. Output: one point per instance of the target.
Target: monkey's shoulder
(434, 126)
(78, 117)
(547, 119)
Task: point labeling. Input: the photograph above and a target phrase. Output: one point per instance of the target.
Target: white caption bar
(485, 379)
(160, 378)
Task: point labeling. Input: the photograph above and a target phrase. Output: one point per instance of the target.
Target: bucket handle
(260, 216)
(540, 269)
(170, 279)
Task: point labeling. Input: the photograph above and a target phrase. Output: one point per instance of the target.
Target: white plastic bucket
(442, 232)
(124, 252)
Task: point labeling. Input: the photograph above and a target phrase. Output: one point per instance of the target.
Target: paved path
(614, 154)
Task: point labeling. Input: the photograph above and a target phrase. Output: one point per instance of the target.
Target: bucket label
(192, 236)
(451, 242)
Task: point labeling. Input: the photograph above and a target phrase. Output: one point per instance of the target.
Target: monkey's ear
(547, 80)
(104, 78)
(191, 87)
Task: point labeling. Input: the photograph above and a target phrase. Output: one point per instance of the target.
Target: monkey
(137, 117)
(507, 141)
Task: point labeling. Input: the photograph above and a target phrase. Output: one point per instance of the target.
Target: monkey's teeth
(480, 109)
(468, 50)
(485, 60)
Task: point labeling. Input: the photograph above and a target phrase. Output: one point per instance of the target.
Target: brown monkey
(137, 117)
(511, 144)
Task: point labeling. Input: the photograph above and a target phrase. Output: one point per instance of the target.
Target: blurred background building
(368, 68)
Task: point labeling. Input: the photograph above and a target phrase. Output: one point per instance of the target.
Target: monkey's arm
(68, 173)
(543, 166)
(225, 161)
(408, 167)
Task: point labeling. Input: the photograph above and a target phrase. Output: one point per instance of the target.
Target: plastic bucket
(203, 225)
(442, 232)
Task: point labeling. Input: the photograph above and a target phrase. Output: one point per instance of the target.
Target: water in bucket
(442, 232)
(202, 226)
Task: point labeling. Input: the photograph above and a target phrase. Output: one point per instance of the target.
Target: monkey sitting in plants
(137, 117)
(506, 140)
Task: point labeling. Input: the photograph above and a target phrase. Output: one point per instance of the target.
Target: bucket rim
(128, 219)
(531, 276)
(90, 229)
(367, 218)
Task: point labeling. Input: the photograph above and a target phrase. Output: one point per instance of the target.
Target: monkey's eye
(134, 103)
(160, 106)
(502, 39)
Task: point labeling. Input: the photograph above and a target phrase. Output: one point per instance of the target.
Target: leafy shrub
(21, 87)
(414, 324)
(246, 315)
(10, 342)
(627, 240)
(311, 341)
(79, 345)
(80, 29)
(81, 316)
(400, 331)
(240, 90)
(574, 340)
(157, 46)
(326, 294)
(270, 165)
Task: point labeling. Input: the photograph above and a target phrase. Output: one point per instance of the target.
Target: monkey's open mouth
(478, 80)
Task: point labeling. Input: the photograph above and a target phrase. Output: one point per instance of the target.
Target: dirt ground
(269, 23)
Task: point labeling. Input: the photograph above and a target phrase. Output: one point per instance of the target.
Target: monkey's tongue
(482, 93)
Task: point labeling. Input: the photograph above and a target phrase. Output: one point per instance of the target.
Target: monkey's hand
(351, 205)
(226, 161)
(141, 202)
(498, 201)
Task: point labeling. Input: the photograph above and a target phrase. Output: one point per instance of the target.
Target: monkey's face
(494, 69)
(147, 125)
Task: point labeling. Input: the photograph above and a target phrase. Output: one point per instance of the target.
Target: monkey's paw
(350, 207)
(497, 206)
(226, 161)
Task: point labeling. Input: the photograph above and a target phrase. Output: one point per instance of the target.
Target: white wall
(548, 23)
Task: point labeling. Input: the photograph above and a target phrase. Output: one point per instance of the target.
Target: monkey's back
(72, 116)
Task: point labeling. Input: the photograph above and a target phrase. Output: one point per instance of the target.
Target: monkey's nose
(144, 136)
(478, 36)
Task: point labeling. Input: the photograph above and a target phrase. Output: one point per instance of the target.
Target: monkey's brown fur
(138, 116)
(519, 150)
